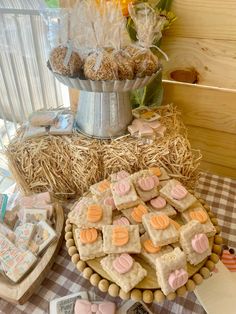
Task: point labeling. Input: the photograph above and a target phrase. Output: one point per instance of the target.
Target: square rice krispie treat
(134, 215)
(194, 242)
(160, 229)
(146, 184)
(176, 194)
(160, 173)
(91, 214)
(101, 187)
(160, 205)
(150, 252)
(106, 199)
(124, 194)
(198, 212)
(119, 176)
(121, 239)
(89, 243)
(171, 271)
(123, 270)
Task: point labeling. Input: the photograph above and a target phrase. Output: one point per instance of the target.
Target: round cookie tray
(148, 290)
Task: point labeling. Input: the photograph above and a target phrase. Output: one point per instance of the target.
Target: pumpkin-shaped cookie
(122, 188)
(121, 221)
(156, 171)
(138, 213)
(158, 202)
(175, 224)
(178, 192)
(199, 215)
(200, 243)
(94, 213)
(178, 278)
(123, 263)
(160, 222)
(148, 183)
(88, 235)
(122, 175)
(120, 236)
(109, 201)
(150, 247)
(103, 186)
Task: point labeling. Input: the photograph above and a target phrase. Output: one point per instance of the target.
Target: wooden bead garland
(81, 265)
(190, 285)
(124, 295)
(136, 295)
(113, 290)
(94, 279)
(204, 271)
(87, 272)
(103, 285)
(197, 278)
(171, 296)
(147, 296)
(68, 235)
(181, 291)
(75, 258)
(159, 296)
(72, 250)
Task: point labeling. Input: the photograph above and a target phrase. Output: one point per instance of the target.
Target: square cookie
(121, 239)
(160, 205)
(91, 214)
(177, 195)
(101, 187)
(160, 173)
(171, 269)
(106, 199)
(150, 252)
(134, 215)
(124, 194)
(123, 270)
(198, 212)
(160, 229)
(194, 242)
(146, 184)
(89, 243)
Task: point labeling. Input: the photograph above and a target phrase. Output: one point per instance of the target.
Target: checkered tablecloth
(64, 279)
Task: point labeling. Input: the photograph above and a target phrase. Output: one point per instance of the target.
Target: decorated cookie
(124, 194)
(160, 205)
(135, 214)
(146, 185)
(100, 187)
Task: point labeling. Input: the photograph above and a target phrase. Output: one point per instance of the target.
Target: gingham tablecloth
(64, 279)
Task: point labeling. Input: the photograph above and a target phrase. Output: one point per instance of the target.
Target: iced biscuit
(176, 194)
(89, 243)
(91, 214)
(121, 239)
(150, 252)
(160, 205)
(123, 270)
(145, 184)
(194, 242)
(171, 271)
(197, 212)
(134, 215)
(160, 229)
(124, 194)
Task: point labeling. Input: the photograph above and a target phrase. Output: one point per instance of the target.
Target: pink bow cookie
(86, 307)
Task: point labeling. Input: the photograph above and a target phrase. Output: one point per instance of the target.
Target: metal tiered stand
(104, 108)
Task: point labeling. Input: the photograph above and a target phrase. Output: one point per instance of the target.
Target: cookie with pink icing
(120, 175)
(160, 205)
(124, 194)
(146, 185)
(123, 263)
(121, 221)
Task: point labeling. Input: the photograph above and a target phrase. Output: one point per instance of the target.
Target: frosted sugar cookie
(194, 242)
(160, 229)
(146, 185)
(171, 271)
(123, 270)
(89, 243)
(121, 239)
(176, 194)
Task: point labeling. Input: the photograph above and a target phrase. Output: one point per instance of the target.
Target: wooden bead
(181, 291)
(72, 250)
(136, 295)
(159, 296)
(94, 279)
(218, 240)
(81, 265)
(171, 296)
(190, 285)
(113, 290)
(207, 207)
(67, 221)
(210, 265)
(103, 285)
(197, 278)
(211, 215)
(217, 249)
(214, 221)
(87, 272)
(68, 235)
(68, 228)
(218, 229)
(124, 295)
(70, 243)
(147, 296)
(205, 272)
(75, 258)
(214, 258)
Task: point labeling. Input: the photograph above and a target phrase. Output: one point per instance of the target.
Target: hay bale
(68, 165)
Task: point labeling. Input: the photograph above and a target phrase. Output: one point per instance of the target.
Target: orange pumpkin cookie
(138, 213)
(120, 236)
(101, 187)
(150, 247)
(160, 222)
(94, 213)
(88, 235)
(175, 223)
(199, 215)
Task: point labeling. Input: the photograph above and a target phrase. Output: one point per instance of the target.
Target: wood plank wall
(201, 46)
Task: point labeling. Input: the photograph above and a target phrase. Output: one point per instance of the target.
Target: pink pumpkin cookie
(160, 205)
(146, 185)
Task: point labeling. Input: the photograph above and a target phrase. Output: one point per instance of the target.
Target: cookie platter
(165, 223)
(32, 245)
